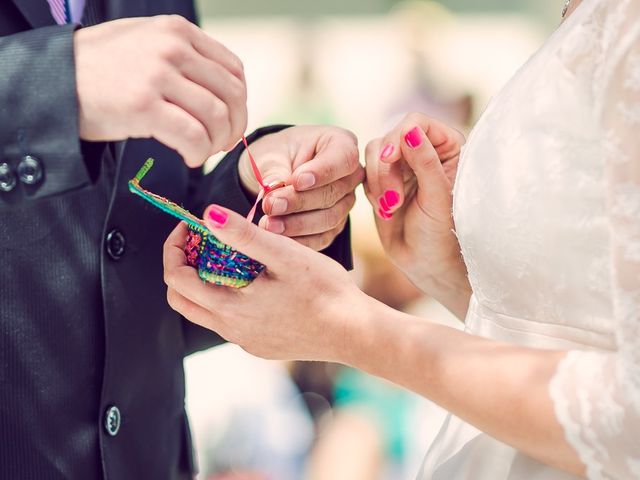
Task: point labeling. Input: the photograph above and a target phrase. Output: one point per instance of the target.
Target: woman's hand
(320, 166)
(304, 306)
(410, 176)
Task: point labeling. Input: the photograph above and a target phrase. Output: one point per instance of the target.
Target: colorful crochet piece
(215, 261)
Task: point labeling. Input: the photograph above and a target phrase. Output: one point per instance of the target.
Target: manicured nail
(392, 198)
(275, 225)
(306, 181)
(279, 206)
(383, 204)
(384, 215)
(387, 151)
(218, 216)
(413, 138)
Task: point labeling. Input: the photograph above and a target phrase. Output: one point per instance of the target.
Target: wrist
(359, 329)
(382, 341)
(451, 287)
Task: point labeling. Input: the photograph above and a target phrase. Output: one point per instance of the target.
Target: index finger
(445, 140)
(337, 159)
(274, 251)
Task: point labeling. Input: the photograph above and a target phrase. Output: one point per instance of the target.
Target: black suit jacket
(84, 323)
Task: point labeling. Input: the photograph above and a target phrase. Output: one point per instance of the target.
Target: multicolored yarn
(215, 261)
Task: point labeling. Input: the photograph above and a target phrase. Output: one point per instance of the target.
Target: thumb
(434, 188)
(239, 233)
(275, 167)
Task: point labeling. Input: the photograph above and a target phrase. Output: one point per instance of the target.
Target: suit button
(30, 170)
(115, 244)
(7, 178)
(112, 420)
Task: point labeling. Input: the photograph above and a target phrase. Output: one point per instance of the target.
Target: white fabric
(547, 210)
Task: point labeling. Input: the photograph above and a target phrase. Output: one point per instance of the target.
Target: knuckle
(157, 76)
(330, 171)
(299, 202)
(333, 216)
(219, 113)
(429, 158)
(321, 241)
(238, 90)
(194, 133)
(173, 23)
(351, 157)
(246, 235)
(330, 195)
(141, 101)
(350, 203)
(325, 240)
(174, 51)
(172, 299)
(237, 66)
(168, 278)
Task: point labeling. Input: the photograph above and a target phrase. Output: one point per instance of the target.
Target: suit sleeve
(39, 110)
(222, 186)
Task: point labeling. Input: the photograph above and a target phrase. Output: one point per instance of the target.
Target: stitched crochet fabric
(215, 261)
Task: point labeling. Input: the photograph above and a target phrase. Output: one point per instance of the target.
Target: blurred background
(361, 65)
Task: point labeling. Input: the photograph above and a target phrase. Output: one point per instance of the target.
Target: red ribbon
(264, 189)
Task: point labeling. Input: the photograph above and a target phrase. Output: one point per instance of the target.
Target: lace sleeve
(597, 395)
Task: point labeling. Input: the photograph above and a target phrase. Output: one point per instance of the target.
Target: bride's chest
(529, 201)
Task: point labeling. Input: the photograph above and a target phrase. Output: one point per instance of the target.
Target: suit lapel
(36, 12)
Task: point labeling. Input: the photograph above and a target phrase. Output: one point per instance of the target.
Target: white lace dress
(547, 211)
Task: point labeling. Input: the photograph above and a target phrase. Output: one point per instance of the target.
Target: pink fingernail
(275, 225)
(392, 198)
(384, 215)
(279, 206)
(413, 138)
(383, 204)
(218, 216)
(306, 181)
(387, 151)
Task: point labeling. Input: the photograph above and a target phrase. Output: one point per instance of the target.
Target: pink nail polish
(387, 151)
(382, 202)
(218, 216)
(384, 215)
(413, 138)
(392, 198)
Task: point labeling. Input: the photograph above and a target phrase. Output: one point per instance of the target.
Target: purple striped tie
(66, 11)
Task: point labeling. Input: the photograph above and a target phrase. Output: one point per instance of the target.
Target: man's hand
(159, 77)
(320, 166)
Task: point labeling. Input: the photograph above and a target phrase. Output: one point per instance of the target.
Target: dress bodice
(530, 209)
(547, 213)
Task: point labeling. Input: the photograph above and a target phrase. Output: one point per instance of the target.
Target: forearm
(501, 389)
